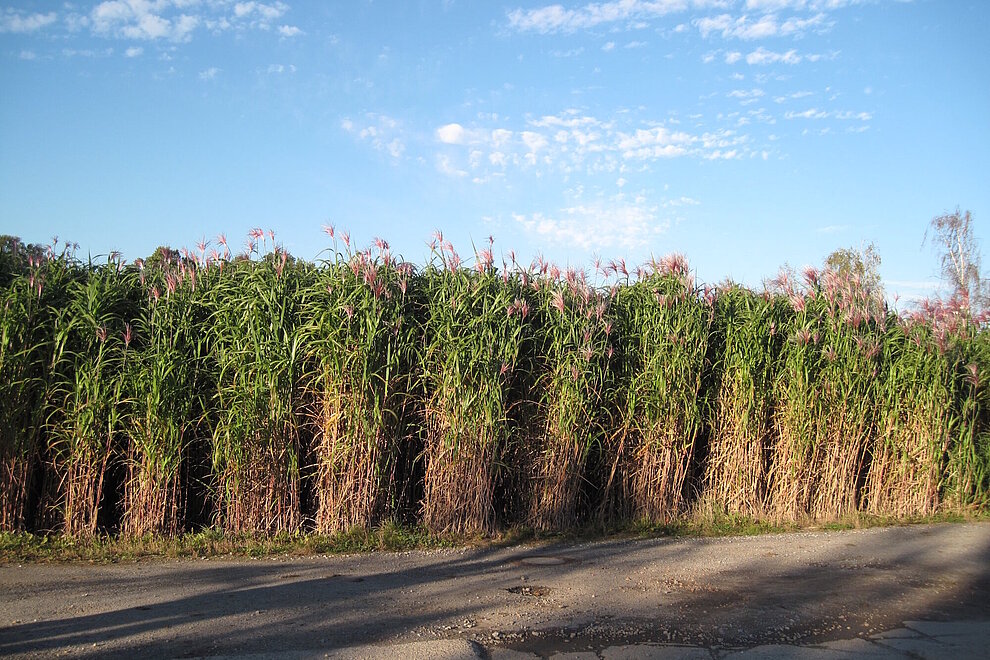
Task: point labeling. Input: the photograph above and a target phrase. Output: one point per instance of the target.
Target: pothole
(536, 592)
(544, 560)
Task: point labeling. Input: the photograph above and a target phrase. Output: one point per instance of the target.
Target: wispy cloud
(209, 74)
(815, 113)
(761, 27)
(764, 22)
(762, 56)
(281, 68)
(382, 132)
(572, 142)
(16, 21)
(141, 20)
(446, 167)
(616, 223)
(745, 93)
(557, 18)
(151, 20)
(260, 10)
(792, 96)
(799, 5)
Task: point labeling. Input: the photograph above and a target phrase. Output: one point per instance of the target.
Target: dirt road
(718, 593)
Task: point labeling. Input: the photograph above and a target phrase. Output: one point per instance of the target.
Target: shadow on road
(730, 592)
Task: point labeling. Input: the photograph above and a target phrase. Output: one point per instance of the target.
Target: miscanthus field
(262, 394)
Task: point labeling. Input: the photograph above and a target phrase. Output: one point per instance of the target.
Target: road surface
(662, 597)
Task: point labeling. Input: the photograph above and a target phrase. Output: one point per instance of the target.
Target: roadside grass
(25, 547)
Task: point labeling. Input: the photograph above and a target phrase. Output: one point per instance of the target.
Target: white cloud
(76, 22)
(141, 19)
(711, 24)
(791, 96)
(556, 18)
(602, 224)
(533, 141)
(798, 5)
(395, 148)
(610, 45)
(861, 116)
(177, 20)
(451, 134)
(746, 94)
(444, 166)
(815, 113)
(568, 119)
(680, 201)
(763, 27)
(382, 132)
(28, 55)
(133, 51)
(718, 154)
(500, 136)
(13, 20)
(762, 56)
(87, 52)
(810, 113)
(283, 68)
(209, 74)
(649, 144)
(261, 10)
(733, 57)
(571, 143)
(774, 5)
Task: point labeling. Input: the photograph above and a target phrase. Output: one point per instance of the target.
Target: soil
(740, 592)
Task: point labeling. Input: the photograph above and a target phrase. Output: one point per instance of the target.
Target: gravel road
(728, 593)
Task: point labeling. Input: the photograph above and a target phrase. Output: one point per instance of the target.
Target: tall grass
(963, 336)
(294, 396)
(361, 336)
(751, 331)
(573, 390)
(826, 419)
(35, 287)
(255, 337)
(90, 362)
(166, 391)
(665, 325)
(471, 349)
(916, 422)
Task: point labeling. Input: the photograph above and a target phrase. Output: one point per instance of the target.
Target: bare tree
(953, 238)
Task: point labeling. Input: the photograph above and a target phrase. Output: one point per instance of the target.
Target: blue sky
(743, 133)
